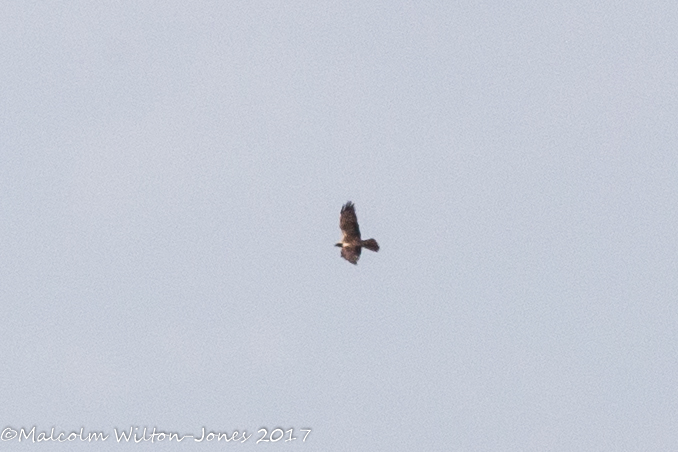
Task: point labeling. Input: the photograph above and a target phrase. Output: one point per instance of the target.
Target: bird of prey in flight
(350, 244)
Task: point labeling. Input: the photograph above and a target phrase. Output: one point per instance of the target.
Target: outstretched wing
(351, 254)
(348, 222)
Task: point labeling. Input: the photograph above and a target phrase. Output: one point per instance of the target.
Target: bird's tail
(370, 244)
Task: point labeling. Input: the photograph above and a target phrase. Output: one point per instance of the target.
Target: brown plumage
(351, 244)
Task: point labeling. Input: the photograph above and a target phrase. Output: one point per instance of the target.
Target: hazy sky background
(171, 175)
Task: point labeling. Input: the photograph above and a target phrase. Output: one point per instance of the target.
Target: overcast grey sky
(171, 175)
